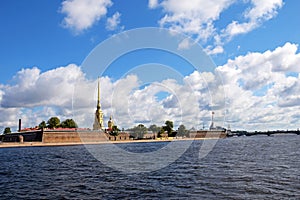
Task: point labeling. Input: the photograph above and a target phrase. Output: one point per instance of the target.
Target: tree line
(140, 130)
(137, 131)
(53, 122)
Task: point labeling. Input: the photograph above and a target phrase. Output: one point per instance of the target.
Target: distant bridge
(268, 133)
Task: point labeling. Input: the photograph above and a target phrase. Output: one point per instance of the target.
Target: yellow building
(110, 123)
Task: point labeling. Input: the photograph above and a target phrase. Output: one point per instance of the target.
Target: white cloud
(35, 96)
(34, 88)
(261, 11)
(8, 117)
(152, 4)
(197, 18)
(257, 91)
(212, 50)
(236, 28)
(193, 17)
(285, 58)
(185, 44)
(113, 22)
(82, 14)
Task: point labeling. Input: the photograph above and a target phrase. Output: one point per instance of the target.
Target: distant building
(150, 135)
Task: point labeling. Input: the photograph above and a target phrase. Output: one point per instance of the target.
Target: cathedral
(109, 130)
(98, 122)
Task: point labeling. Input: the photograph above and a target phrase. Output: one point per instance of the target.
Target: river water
(256, 167)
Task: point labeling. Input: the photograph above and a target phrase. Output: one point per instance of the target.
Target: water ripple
(237, 168)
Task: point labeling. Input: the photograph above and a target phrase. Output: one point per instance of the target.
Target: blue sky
(36, 36)
(32, 33)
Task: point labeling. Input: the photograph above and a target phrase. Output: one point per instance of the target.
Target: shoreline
(41, 144)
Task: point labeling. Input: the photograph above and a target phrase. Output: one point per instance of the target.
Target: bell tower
(98, 122)
(110, 123)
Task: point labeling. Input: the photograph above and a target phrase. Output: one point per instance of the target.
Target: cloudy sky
(253, 85)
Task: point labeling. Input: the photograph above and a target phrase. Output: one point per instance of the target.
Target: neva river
(257, 167)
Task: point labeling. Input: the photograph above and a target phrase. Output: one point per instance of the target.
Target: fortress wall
(73, 136)
(27, 136)
(64, 136)
(208, 134)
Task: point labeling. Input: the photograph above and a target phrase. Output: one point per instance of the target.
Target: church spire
(98, 99)
(98, 123)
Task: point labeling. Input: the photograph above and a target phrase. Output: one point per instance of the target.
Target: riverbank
(41, 144)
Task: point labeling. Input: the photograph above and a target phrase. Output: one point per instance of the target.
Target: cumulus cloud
(285, 58)
(82, 14)
(113, 22)
(256, 91)
(65, 92)
(259, 12)
(212, 50)
(34, 88)
(193, 17)
(197, 18)
(37, 95)
(260, 93)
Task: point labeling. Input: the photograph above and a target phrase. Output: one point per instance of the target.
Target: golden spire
(98, 123)
(98, 100)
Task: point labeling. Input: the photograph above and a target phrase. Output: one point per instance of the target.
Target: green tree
(161, 131)
(141, 130)
(182, 131)
(168, 127)
(138, 131)
(115, 131)
(69, 123)
(53, 122)
(154, 128)
(7, 130)
(42, 125)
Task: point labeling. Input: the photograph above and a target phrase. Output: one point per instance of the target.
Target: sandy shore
(41, 144)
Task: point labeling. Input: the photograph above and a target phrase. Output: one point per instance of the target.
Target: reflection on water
(237, 168)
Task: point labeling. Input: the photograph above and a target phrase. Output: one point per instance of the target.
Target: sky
(254, 83)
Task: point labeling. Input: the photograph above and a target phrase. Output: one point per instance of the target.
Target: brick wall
(73, 136)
